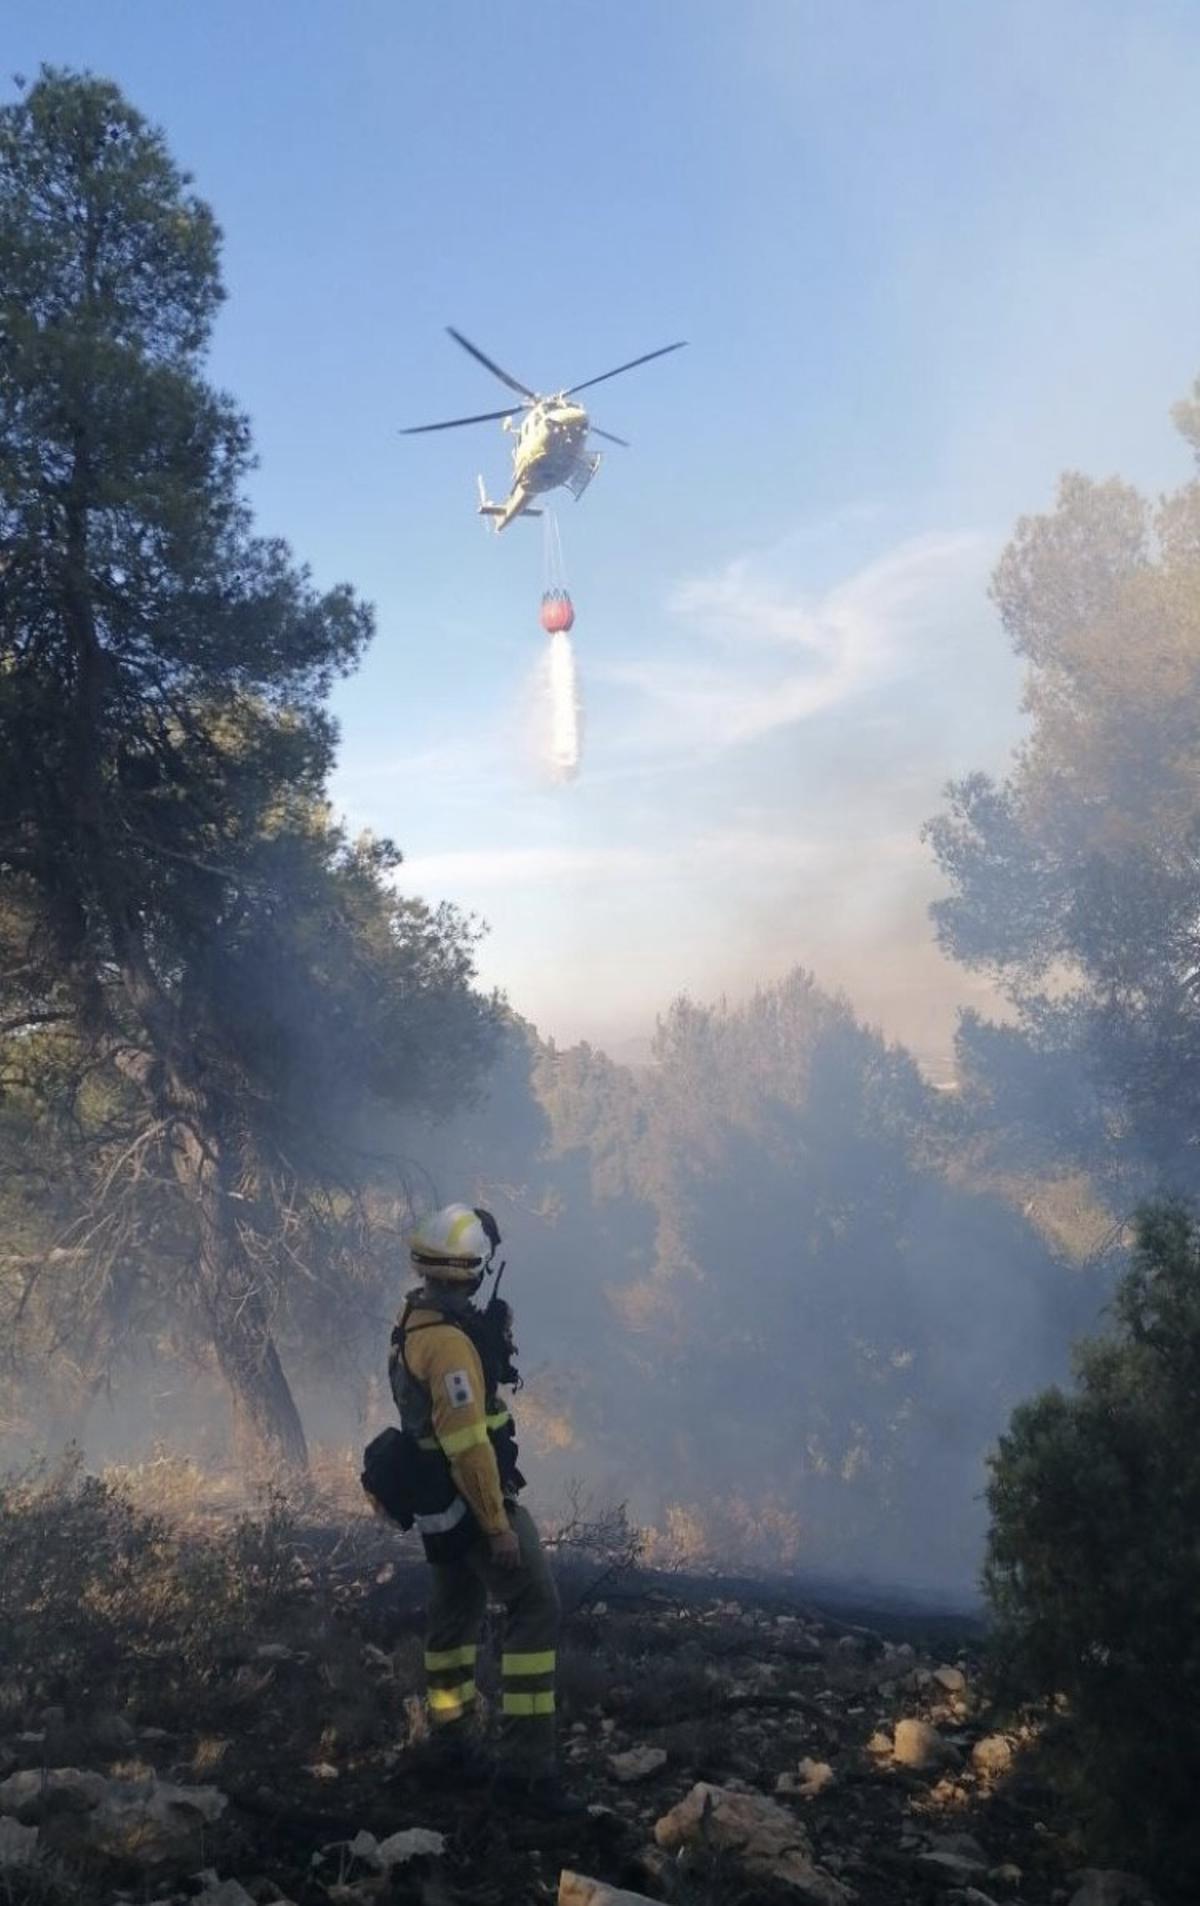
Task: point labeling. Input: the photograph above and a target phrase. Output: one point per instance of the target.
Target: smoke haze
(781, 1278)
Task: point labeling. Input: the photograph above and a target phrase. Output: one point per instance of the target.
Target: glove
(506, 1549)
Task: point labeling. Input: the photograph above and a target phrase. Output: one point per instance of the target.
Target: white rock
(768, 1840)
(992, 1756)
(576, 1889)
(36, 1791)
(815, 1776)
(383, 1854)
(18, 1844)
(952, 1679)
(640, 1763)
(152, 1819)
(916, 1744)
(225, 1893)
(880, 1744)
(409, 1845)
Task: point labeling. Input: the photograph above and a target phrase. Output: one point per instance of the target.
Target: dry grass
(173, 1605)
(190, 1496)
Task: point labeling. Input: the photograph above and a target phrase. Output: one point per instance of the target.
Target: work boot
(543, 1796)
(454, 1763)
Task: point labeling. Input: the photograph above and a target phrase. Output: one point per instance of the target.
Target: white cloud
(774, 656)
(675, 863)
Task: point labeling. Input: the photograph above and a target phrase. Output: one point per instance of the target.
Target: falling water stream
(564, 722)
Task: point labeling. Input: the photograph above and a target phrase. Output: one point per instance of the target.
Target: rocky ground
(731, 1750)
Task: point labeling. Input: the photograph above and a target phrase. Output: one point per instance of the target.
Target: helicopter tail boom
(504, 512)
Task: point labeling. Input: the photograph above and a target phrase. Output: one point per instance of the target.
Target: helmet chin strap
(491, 1231)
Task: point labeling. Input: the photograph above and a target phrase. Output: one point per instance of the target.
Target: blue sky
(926, 255)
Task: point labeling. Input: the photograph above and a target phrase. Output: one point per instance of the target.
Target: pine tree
(176, 904)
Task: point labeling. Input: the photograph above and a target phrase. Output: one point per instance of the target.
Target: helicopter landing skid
(581, 475)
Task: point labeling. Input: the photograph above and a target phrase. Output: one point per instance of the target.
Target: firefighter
(447, 1362)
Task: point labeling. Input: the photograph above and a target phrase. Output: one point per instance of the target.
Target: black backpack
(387, 1474)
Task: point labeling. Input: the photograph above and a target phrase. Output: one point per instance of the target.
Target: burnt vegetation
(778, 1295)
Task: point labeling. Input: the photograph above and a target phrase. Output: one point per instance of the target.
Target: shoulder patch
(458, 1389)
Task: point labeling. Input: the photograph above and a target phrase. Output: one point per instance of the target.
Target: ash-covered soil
(853, 1756)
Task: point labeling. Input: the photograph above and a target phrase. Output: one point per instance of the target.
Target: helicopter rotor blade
(632, 365)
(609, 438)
(456, 423)
(504, 377)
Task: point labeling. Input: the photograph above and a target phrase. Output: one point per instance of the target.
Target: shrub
(1093, 1565)
(91, 1585)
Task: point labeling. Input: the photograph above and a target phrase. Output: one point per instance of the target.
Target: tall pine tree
(176, 906)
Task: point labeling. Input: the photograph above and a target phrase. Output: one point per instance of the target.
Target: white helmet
(454, 1243)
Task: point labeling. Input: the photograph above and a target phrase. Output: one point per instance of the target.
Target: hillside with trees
(234, 1056)
(780, 1301)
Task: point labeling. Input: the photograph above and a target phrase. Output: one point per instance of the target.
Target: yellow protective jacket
(447, 1399)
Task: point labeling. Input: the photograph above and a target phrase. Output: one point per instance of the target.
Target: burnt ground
(303, 1709)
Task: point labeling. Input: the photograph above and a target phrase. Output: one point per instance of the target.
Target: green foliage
(206, 990)
(1093, 1565)
(1076, 881)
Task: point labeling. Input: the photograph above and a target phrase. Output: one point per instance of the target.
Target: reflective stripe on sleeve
(459, 1440)
(527, 1706)
(438, 1658)
(500, 1419)
(542, 1663)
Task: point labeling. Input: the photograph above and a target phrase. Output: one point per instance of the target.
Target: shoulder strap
(402, 1330)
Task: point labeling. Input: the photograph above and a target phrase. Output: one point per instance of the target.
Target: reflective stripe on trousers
(450, 1681)
(458, 1600)
(528, 1684)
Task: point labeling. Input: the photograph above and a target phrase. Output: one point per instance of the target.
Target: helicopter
(551, 450)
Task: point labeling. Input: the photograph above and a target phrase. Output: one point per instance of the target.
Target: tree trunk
(227, 1290)
(265, 1413)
